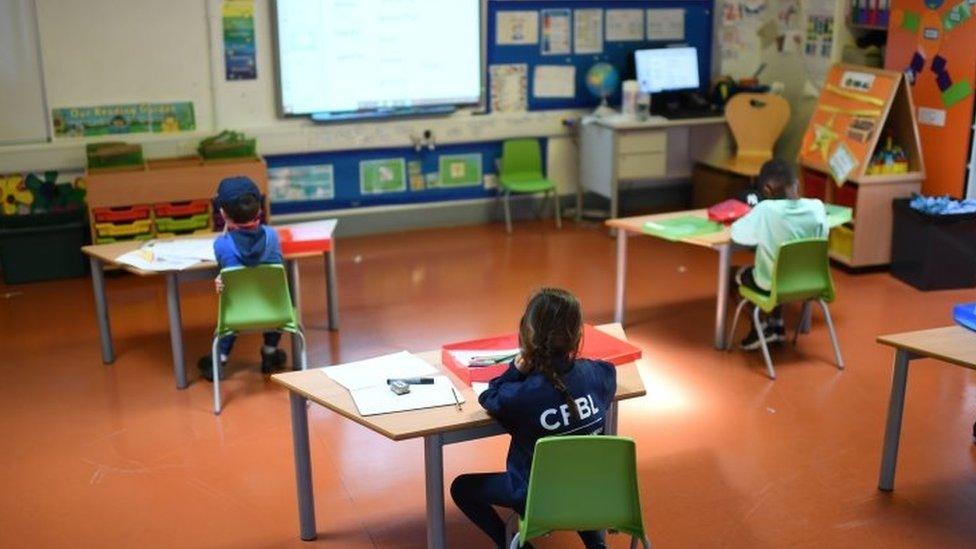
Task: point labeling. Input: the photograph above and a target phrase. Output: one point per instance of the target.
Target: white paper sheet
(625, 25)
(375, 371)
(147, 261)
(517, 28)
(554, 81)
(666, 24)
(200, 249)
(479, 387)
(588, 30)
(379, 399)
(556, 32)
(465, 356)
(312, 230)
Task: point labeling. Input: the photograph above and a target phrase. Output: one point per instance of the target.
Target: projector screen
(340, 56)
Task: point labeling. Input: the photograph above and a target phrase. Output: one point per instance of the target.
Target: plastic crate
(142, 226)
(182, 224)
(43, 246)
(179, 209)
(120, 214)
(841, 241)
(846, 195)
(933, 252)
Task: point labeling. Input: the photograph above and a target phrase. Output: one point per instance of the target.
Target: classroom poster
(625, 25)
(509, 90)
(459, 170)
(517, 28)
(666, 24)
(556, 32)
(239, 46)
(739, 43)
(554, 81)
(123, 118)
(388, 175)
(301, 183)
(588, 30)
(818, 47)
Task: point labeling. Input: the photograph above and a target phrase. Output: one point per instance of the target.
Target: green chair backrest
(583, 483)
(521, 158)
(255, 298)
(802, 271)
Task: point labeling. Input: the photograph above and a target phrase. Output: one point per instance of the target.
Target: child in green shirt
(781, 217)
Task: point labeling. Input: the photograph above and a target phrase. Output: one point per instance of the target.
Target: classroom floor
(98, 456)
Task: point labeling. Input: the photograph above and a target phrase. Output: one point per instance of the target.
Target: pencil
(456, 400)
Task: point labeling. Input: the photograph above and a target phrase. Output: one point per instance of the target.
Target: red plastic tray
(121, 213)
(596, 345)
(312, 237)
(181, 209)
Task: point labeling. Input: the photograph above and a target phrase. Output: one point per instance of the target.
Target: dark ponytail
(550, 333)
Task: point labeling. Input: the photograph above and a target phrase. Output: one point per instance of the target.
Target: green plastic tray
(685, 226)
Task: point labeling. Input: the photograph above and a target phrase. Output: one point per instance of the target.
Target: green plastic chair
(801, 273)
(520, 172)
(583, 483)
(253, 299)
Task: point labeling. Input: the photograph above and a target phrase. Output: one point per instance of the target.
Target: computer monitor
(667, 69)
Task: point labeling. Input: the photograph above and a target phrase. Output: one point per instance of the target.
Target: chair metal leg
(559, 215)
(215, 362)
(515, 542)
(303, 356)
(762, 342)
(804, 318)
(508, 212)
(833, 334)
(735, 322)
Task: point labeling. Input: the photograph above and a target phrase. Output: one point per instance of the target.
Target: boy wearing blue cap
(245, 242)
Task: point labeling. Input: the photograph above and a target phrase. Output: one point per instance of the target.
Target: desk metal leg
(303, 467)
(611, 418)
(618, 301)
(722, 294)
(896, 404)
(332, 289)
(101, 311)
(434, 467)
(294, 287)
(175, 328)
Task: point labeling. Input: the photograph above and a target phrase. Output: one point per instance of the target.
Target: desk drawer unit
(642, 155)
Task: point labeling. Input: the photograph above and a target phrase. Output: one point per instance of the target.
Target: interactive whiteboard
(369, 56)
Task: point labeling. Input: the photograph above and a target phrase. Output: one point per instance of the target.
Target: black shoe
(772, 334)
(206, 368)
(272, 361)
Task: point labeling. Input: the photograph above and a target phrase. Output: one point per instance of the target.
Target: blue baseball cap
(232, 189)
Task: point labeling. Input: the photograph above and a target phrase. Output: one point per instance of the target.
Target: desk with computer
(657, 143)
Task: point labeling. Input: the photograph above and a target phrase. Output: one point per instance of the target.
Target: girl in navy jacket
(546, 391)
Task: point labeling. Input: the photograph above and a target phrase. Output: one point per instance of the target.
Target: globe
(602, 80)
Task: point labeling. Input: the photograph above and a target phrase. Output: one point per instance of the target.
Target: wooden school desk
(953, 344)
(102, 255)
(438, 427)
(721, 242)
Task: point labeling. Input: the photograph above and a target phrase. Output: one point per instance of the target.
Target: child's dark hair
(775, 176)
(550, 333)
(244, 209)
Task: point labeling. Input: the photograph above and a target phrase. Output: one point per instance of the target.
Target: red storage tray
(846, 195)
(120, 214)
(311, 237)
(181, 209)
(596, 345)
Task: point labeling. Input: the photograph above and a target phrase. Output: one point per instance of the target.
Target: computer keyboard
(685, 114)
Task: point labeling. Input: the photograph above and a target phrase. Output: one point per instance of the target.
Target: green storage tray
(678, 228)
(182, 224)
(110, 240)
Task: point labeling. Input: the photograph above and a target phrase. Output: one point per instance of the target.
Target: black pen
(413, 380)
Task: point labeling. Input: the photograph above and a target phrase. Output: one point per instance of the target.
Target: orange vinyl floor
(115, 456)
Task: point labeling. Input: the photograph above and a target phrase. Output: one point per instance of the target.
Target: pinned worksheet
(554, 81)
(516, 28)
(665, 24)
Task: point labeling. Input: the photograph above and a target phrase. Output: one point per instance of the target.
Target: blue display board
(698, 33)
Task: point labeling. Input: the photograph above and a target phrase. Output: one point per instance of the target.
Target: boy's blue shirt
(248, 248)
(529, 408)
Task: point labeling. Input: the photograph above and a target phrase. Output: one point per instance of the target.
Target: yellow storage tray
(142, 226)
(842, 241)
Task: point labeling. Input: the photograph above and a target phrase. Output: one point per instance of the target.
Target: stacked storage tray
(124, 223)
(180, 218)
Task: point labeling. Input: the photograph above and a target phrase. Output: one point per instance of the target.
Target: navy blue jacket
(248, 248)
(529, 408)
